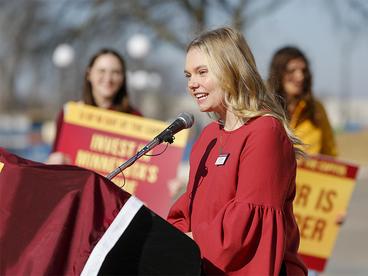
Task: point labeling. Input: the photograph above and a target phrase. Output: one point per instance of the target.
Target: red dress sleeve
(179, 214)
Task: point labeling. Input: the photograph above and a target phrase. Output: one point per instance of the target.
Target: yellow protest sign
(118, 123)
(323, 190)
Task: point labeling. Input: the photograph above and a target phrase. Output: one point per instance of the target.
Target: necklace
(222, 157)
(221, 142)
(236, 125)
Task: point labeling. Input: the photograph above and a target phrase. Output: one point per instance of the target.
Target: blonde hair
(233, 65)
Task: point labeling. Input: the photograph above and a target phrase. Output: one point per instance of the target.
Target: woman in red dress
(238, 203)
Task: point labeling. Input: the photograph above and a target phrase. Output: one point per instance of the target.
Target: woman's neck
(231, 121)
(292, 102)
(103, 102)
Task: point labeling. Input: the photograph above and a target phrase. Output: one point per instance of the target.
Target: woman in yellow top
(291, 78)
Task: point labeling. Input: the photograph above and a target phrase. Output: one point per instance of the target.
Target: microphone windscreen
(187, 118)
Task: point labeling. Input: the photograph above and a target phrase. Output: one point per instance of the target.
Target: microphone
(184, 120)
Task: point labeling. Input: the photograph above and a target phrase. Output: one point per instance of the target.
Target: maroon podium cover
(67, 220)
(52, 216)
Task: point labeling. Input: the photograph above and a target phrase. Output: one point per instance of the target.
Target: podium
(66, 220)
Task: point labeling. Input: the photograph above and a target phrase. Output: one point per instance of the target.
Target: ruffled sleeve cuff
(244, 234)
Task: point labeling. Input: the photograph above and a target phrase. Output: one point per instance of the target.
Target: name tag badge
(221, 159)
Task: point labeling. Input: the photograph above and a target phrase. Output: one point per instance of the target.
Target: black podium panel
(151, 246)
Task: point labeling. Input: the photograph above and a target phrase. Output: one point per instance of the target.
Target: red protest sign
(101, 140)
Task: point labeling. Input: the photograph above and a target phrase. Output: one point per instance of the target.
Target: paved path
(350, 256)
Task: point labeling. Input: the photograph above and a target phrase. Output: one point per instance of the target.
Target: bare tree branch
(260, 12)
(31, 37)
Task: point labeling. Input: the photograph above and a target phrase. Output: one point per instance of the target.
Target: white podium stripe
(111, 236)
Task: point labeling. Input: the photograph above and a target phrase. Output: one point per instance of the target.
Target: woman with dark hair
(103, 90)
(105, 86)
(291, 79)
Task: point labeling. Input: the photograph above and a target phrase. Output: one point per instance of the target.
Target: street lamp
(138, 46)
(141, 80)
(63, 55)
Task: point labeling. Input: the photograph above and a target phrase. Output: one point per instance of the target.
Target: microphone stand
(168, 137)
